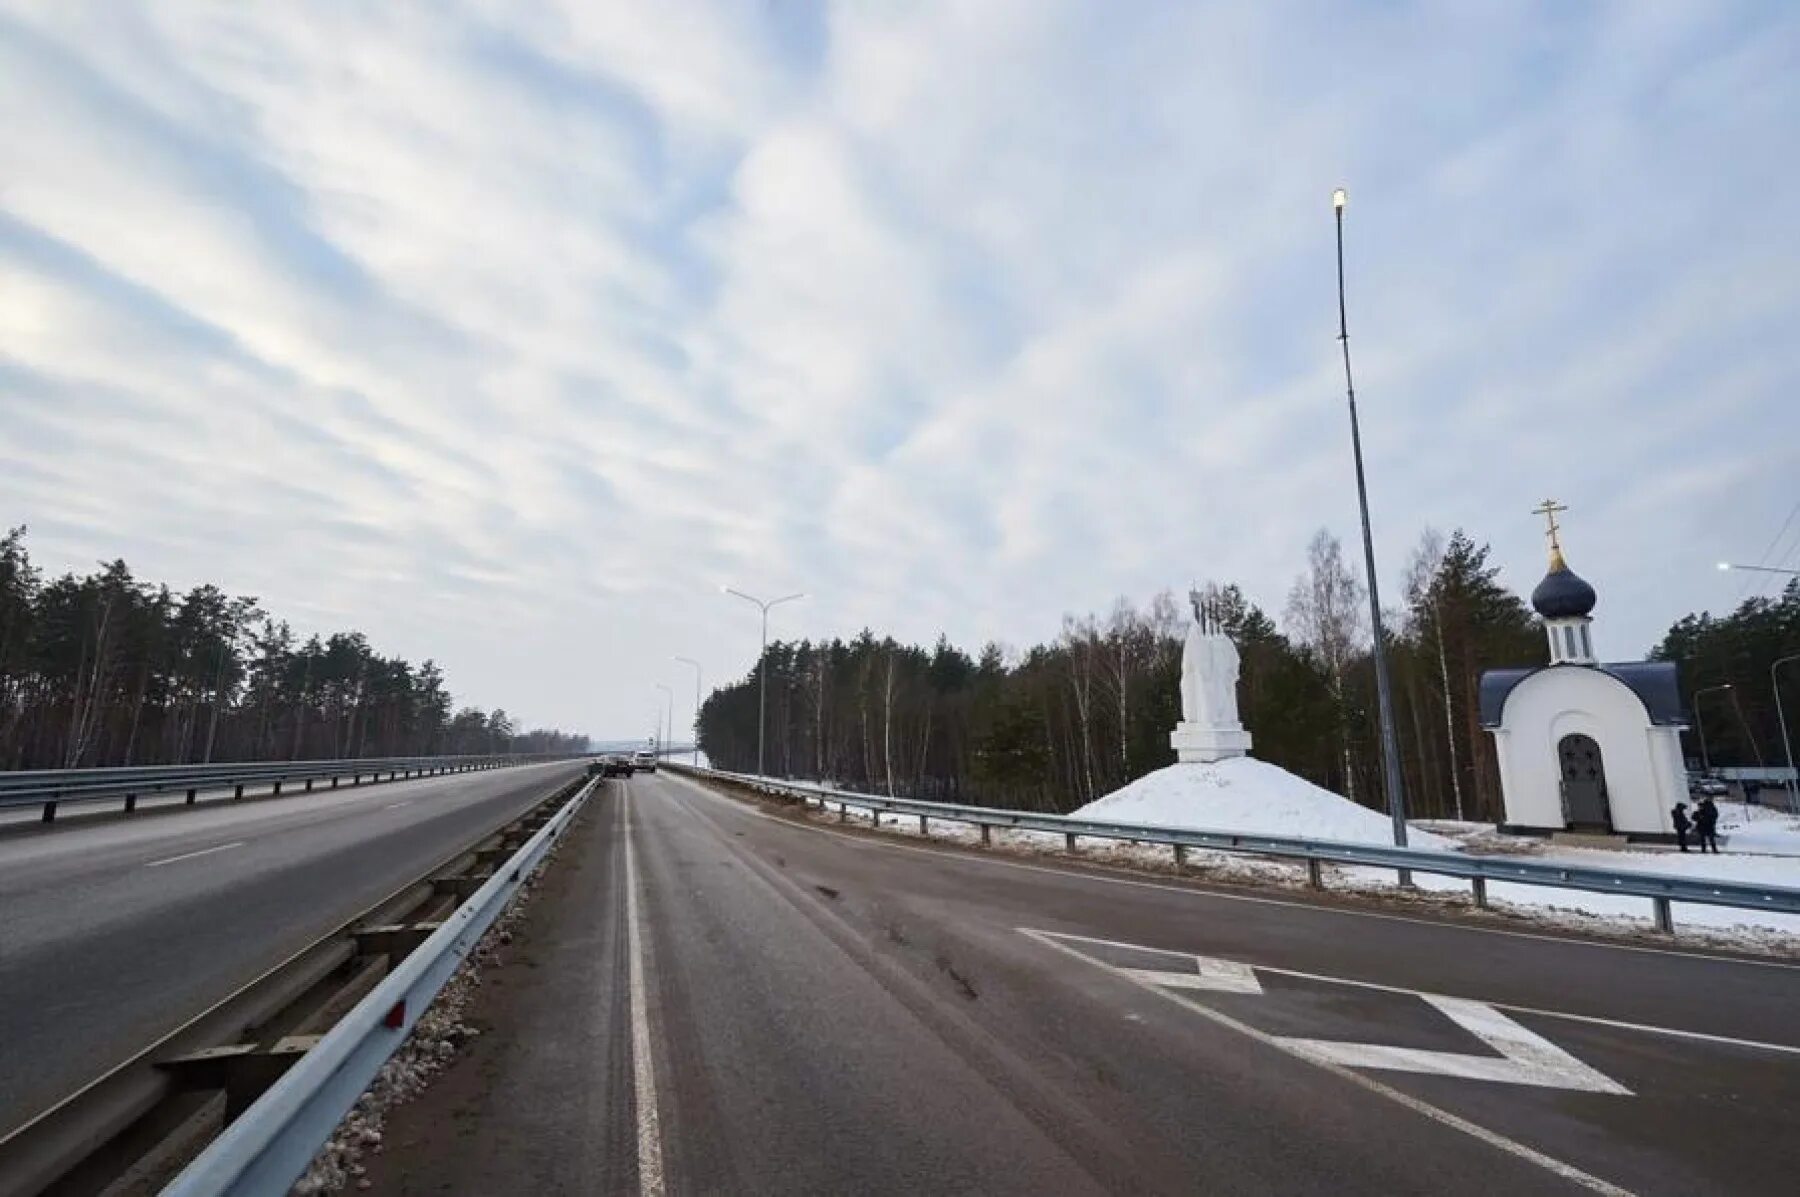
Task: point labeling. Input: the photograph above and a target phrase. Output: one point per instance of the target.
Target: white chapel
(1584, 746)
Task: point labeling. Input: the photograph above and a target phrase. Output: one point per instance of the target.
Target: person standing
(1683, 824)
(1706, 822)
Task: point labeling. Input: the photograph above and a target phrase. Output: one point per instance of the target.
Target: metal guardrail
(270, 1145)
(1661, 889)
(51, 788)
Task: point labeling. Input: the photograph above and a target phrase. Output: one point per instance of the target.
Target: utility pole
(696, 728)
(1787, 747)
(668, 721)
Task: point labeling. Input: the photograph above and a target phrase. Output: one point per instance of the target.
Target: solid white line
(1093, 871)
(157, 864)
(397, 805)
(1492, 1138)
(643, 1069)
(1430, 996)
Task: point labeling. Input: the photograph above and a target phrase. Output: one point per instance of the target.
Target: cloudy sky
(507, 332)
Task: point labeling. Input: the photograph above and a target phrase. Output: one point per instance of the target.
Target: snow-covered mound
(1244, 794)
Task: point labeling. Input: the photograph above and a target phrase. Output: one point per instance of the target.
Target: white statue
(1209, 728)
(1209, 671)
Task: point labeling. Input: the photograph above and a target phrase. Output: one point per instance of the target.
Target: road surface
(116, 931)
(709, 997)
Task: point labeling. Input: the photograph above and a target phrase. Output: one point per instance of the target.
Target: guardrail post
(130, 803)
(309, 785)
(356, 779)
(987, 834)
(334, 782)
(1315, 876)
(1069, 841)
(1180, 856)
(1665, 916)
(238, 791)
(843, 812)
(192, 792)
(277, 788)
(49, 812)
(1479, 885)
(924, 825)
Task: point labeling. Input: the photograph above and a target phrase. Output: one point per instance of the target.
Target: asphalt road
(114, 932)
(841, 1013)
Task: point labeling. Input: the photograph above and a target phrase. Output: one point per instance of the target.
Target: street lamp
(762, 664)
(696, 665)
(1390, 743)
(1787, 747)
(1700, 724)
(1761, 569)
(669, 707)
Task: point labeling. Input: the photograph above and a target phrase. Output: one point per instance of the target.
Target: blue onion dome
(1562, 595)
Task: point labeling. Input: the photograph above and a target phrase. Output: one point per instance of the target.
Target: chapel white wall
(1644, 771)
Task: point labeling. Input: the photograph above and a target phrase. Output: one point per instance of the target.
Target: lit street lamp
(1390, 743)
(762, 665)
(696, 732)
(1700, 724)
(1761, 569)
(669, 721)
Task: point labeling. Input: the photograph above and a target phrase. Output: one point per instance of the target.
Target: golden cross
(1548, 509)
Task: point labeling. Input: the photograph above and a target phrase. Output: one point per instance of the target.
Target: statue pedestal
(1194, 742)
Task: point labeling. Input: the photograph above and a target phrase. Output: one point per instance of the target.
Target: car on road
(1708, 786)
(644, 759)
(616, 764)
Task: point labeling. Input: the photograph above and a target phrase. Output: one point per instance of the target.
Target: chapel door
(1583, 783)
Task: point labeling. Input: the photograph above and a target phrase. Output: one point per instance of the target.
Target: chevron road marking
(1181, 994)
(1525, 1057)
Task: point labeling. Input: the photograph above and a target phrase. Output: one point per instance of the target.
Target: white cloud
(509, 332)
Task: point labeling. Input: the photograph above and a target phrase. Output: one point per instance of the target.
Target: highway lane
(845, 1013)
(114, 932)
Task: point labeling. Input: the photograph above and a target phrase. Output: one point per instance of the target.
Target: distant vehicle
(1710, 786)
(612, 764)
(644, 759)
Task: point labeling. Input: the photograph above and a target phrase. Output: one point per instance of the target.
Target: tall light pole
(696, 730)
(669, 719)
(762, 664)
(1787, 747)
(1700, 724)
(1390, 743)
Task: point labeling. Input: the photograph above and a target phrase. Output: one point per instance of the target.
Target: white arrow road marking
(1551, 1164)
(1222, 976)
(1526, 1058)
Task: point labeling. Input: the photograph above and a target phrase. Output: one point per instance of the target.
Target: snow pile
(1245, 795)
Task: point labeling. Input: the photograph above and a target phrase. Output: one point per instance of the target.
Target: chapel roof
(1654, 682)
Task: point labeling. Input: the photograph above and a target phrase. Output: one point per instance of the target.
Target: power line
(1760, 582)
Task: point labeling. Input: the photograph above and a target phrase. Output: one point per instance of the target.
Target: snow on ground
(1746, 828)
(1246, 795)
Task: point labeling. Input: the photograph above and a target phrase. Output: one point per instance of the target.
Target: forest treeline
(1059, 724)
(105, 669)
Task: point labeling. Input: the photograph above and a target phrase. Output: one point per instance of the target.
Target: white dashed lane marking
(169, 860)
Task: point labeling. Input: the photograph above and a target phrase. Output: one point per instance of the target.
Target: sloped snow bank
(1243, 794)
